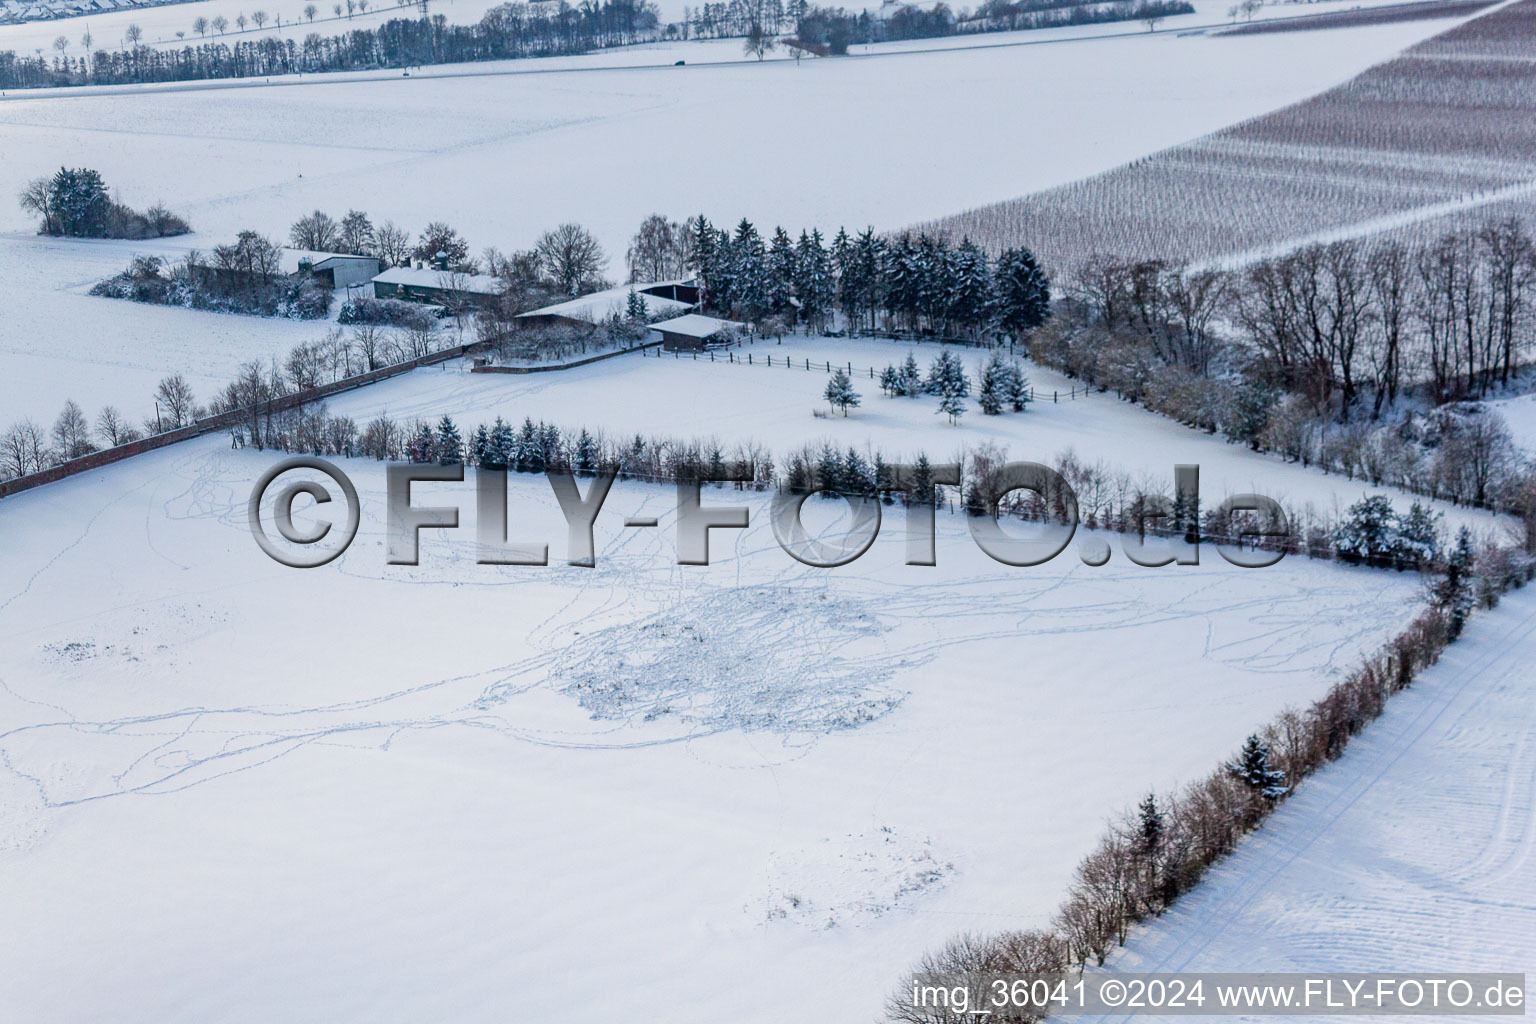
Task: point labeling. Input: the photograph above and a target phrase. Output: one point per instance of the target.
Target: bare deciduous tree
(392, 244)
(571, 256)
(658, 251)
(315, 231)
(175, 402)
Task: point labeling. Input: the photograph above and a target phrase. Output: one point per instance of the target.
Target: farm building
(422, 284)
(663, 298)
(694, 331)
(342, 271)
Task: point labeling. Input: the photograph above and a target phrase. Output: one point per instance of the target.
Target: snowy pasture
(507, 156)
(57, 342)
(1413, 852)
(750, 791)
(774, 407)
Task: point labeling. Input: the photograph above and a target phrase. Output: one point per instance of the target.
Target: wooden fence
(222, 421)
(732, 356)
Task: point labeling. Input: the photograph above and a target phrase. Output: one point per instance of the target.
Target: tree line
(837, 28)
(918, 284)
(1357, 357)
(505, 32)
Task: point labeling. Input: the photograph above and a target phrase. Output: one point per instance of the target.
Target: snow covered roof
(479, 284)
(695, 325)
(293, 257)
(599, 306)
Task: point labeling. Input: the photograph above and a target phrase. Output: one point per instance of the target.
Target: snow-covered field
(1413, 852)
(159, 25)
(673, 397)
(751, 791)
(1520, 415)
(508, 156)
(58, 343)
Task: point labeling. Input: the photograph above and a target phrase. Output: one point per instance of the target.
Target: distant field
(505, 155)
(1447, 126)
(1362, 16)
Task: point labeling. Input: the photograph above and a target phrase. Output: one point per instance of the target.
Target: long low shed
(695, 331)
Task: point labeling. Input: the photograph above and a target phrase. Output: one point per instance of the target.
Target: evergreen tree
(1016, 387)
(903, 282)
(1453, 592)
(635, 310)
(814, 284)
(910, 378)
(450, 446)
(481, 444)
(993, 394)
(529, 453)
(423, 446)
(845, 266)
(723, 272)
(839, 393)
(922, 492)
(1021, 293)
(79, 202)
(946, 374)
(1367, 533)
(828, 468)
(701, 255)
(499, 449)
(586, 453)
(890, 380)
(970, 289)
(749, 286)
(1151, 826)
(1418, 536)
(783, 272)
(1252, 767)
(933, 272)
(1249, 412)
(551, 446)
(855, 478)
(952, 404)
(870, 258)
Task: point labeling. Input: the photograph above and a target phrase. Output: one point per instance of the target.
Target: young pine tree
(1252, 767)
(450, 445)
(840, 393)
(952, 404)
(1453, 592)
(922, 492)
(993, 393)
(635, 310)
(1016, 387)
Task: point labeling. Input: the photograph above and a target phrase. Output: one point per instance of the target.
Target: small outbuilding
(343, 272)
(663, 298)
(441, 287)
(696, 331)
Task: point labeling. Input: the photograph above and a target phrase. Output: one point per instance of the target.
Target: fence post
(1054, 398)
